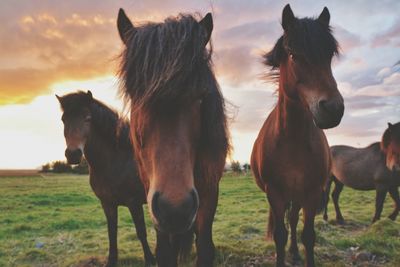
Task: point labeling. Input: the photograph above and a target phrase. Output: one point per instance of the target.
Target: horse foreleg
(294, 219)
(380, 198)
(137, 214)
(166, 256)
(335, 198)
(203, 228)
(111, 212)
(278, 207)
(394, 193)
(308, 235)
(327, 192)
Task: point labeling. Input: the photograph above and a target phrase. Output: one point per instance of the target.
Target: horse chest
(295, 167)
(110, 190)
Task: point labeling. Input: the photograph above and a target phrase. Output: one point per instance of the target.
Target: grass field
(57, 221)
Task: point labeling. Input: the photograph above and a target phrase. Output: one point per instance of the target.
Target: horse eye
(292, 56)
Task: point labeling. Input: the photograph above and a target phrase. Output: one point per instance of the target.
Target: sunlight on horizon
(35, 133)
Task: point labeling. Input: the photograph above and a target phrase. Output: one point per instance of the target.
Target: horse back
(358, 168)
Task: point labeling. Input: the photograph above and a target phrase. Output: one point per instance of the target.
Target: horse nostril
(333, 107)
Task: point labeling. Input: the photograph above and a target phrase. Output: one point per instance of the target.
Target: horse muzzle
(328, 113)
(174, 219)
(73, 156)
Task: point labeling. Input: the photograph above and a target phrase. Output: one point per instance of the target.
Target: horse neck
(98, 150)
(294, 118)
(101, 143)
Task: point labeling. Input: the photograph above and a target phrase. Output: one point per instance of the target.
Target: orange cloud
(41, 50)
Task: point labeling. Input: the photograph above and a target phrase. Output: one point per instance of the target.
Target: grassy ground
(57, 221)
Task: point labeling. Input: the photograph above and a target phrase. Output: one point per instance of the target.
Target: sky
(57, 47)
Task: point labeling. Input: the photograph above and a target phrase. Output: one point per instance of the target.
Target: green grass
(57, 221)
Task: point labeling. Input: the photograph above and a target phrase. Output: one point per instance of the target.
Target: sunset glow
(49, 48)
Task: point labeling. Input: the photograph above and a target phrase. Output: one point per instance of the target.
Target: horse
(94, 130)
(178, 129)
(375, 167)
(291, 158)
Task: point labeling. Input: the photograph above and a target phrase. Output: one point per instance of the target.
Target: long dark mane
(166, 62)
(308, 38)
(166, 66)
(391, 134)
(105, 121)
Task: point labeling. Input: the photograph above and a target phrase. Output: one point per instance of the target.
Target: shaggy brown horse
(376, 167)
(291, 157)
(93, 129)
(178, 128)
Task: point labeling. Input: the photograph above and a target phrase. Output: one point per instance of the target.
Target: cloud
(389, 37)
(390, 86)
(346, 39)
(46, 49)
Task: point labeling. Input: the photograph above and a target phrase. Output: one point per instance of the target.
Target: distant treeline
(64, 167)
(237, 168)
(83, 168)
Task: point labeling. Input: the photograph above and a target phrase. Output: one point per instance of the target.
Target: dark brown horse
(376, 167)
(93, 129)
(178, 128)
(291, 157)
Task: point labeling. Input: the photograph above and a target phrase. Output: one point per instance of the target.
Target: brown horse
(376, 167)
(291, 157)
(178, 128)
(93, 129)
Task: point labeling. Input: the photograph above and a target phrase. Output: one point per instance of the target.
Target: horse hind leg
(380, 199)
(293, 220)
(335, 199)
(394, 193)
(137, 214)
(326, 195)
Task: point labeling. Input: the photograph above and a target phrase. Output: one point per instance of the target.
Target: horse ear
(390, 126)
(58, 98)
(207, 23)
(89, 95)
(324, 17)
(288, 17)
(124, 25)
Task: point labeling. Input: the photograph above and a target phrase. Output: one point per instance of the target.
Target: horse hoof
(150, 261)
(393, 217)
(340, 221)
(325, 217)
(111, 263)
(296, 259)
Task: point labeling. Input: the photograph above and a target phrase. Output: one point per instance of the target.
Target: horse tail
(185, 244)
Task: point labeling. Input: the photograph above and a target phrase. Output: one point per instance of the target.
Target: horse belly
(353, 177)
